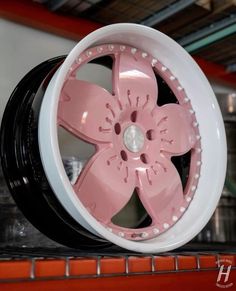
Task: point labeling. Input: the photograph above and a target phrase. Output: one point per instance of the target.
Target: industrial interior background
(207, 30)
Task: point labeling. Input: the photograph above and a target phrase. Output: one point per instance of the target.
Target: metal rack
(25, 268)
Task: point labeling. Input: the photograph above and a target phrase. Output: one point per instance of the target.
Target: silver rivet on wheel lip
(193, 188)
(111, 47)
(144, 55)
(182, 209)
(166, 225)
(188, 199)
(144, 234)
(174, 218)
(99, 49)
(199, 150)
(133, 50)
(89, 53)
(154, 62)
(156, 230)
(78, 60)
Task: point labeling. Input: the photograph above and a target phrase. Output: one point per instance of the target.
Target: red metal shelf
(187, 271)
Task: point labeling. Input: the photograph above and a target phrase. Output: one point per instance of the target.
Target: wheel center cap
(133, 138)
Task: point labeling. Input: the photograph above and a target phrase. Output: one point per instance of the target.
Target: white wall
(22, 48)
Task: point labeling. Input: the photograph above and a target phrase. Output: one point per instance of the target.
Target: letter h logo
(224, 273)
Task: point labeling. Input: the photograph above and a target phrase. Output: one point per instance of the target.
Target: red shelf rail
(194, 271)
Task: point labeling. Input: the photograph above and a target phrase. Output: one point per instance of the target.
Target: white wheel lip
(53, 167)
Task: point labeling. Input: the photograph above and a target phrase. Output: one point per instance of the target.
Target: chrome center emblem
(133, 138)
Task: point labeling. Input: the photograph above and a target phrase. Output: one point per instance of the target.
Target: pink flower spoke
(134, 81)
(174, 124)
(87, 110)
(161, 191)
(105, 185)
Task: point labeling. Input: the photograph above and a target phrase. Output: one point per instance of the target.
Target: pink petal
(161, 191)
(105, 185)
(174, 124)
(134, 81)
(87, 110)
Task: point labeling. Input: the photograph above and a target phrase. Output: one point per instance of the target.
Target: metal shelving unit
(190, 269)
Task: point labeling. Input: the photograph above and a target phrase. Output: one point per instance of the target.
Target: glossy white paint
(211, 129)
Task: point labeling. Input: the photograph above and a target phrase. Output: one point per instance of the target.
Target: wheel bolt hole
(144, 158)
(117, 128)
(150, 134)
(133, 116)
(124, 156)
